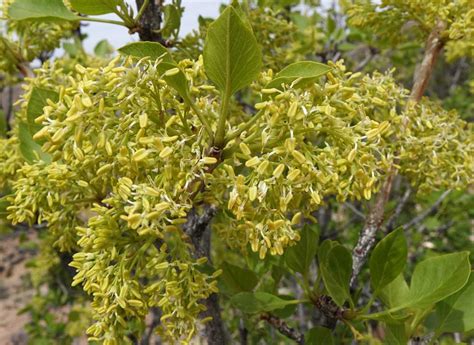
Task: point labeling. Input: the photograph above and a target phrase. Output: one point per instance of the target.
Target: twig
(398, 210)
(243, 333)
(367, 235)
(282, 327)
(434, 45)
(355, 210)
(418, 219)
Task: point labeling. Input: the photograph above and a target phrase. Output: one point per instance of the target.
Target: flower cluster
(128, 161)
(393, 20)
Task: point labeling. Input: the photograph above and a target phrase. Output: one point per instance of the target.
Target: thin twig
(418, 219)
(398, 210)
(354, 210)
(282, 327)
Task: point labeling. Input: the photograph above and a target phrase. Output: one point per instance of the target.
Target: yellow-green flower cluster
(46, 193)
(332, 138)
(336, 138)
(128, 274)
(393, 20)
(437, 148)
(130, 160)
(118, 139)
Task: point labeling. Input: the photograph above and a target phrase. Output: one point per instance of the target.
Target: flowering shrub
(127, 161)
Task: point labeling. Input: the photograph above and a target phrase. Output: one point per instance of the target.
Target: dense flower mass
(395, 19)
(121, 162)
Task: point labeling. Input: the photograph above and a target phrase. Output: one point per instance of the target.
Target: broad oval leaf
(172, 21)
(238, 279)
(37, 101)
(103, 49)
(304, 71)
(324, 249)
(456, 313)
(300, 256)
(319, 336)
(257, 302)
(95, 7)
(395, 334)
(388, 259)
(396, 292)
(40, 9)
(30, 149)
(437, 278)
(336, 271)
(232, 56)
(153, 50)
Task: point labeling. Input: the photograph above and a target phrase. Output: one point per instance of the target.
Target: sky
(119, 36)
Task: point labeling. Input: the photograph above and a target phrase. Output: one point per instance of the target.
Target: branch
(434, 45)
(418, 219)
(372, 224)
(198, 229)
(354, 210)
(282, 327)
(398, 210)
(150, 20)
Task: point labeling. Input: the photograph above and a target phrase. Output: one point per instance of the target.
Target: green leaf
(438, 277)
(238, 279)
(395, 334)
(336, 272)
(395, 293)
(40, 9)
(30, 149)
(324, 249)
(319, 336)
(232, 57)
(288, 310)
(153, 50)
(257, 302)
(3, 124)
(36, 103)
(304, 71)
(103, 49)
(300, 256)
(456, 313)
(95, 7)
(388, 259)
(172, 21)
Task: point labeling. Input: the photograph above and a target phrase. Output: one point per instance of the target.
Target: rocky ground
(14, 291)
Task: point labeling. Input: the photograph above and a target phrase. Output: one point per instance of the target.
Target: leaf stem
(245, 126)
(219, 139)
(141, 11)
(201, 118)
(100, 20)
(380, 313)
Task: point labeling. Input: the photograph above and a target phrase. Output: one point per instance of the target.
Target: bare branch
(354, 210)
(372, 224)
(398, 210)
(282, 327)
(418, 219)
(434, 45)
